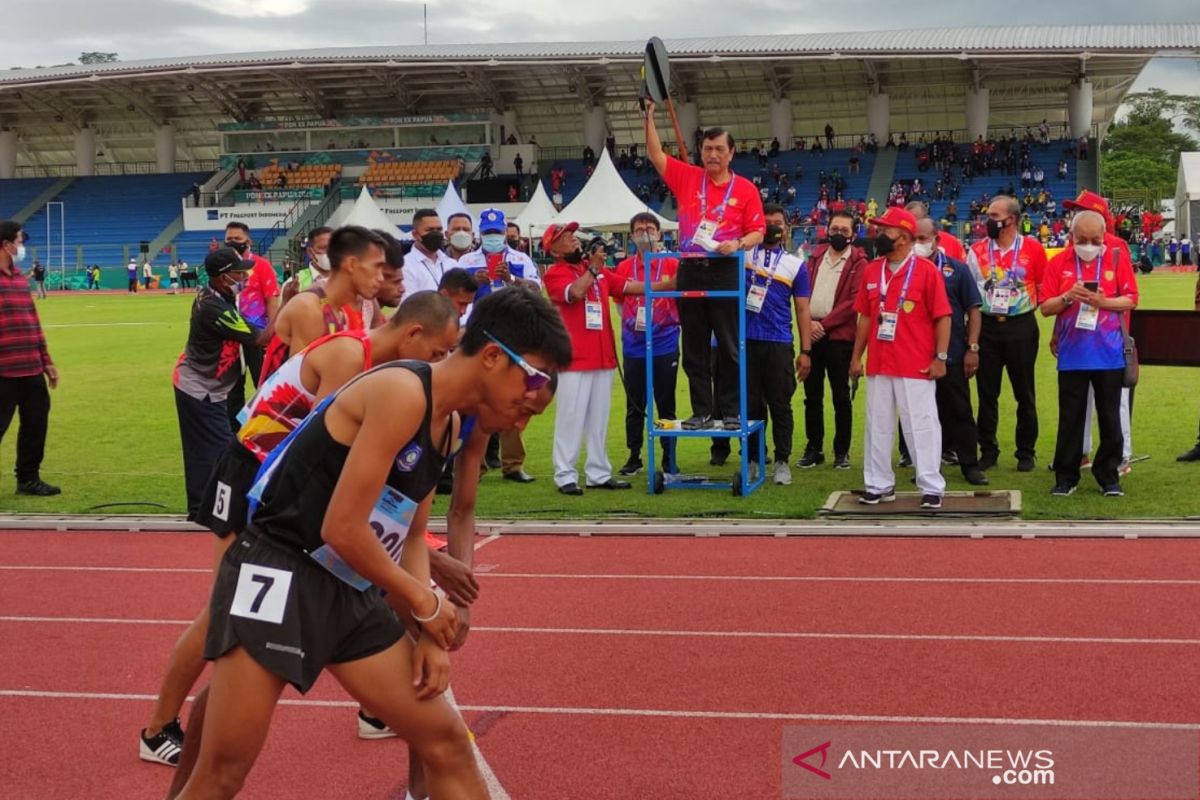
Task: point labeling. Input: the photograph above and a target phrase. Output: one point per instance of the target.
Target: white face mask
(322, 261)
(1089, 252)
(461, 240)
(493, 242)
(20, 256)
(923, 249)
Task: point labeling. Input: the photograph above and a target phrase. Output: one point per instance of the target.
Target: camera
(600, 243)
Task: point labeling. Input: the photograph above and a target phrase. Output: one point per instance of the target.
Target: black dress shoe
(38, 488)
(718, 459)
(611, 483)
(519, 476)
(975, 477)
(492, 462)
(696, 422)
(571, 489)
(987, 462)
(1190, 455)
(1026, 464)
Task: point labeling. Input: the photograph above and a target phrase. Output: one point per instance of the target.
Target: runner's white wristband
(432, 616)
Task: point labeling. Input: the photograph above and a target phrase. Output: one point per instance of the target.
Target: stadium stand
(303, 176)
(193, 246)
(16, 193)
(402, 173)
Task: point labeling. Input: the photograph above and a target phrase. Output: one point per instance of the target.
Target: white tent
(452, 203)
(369, 215)
(537, 212)
(606, 202)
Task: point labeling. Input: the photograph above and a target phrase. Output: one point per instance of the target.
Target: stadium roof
(826, 75)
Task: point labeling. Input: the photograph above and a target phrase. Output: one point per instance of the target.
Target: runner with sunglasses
(301, 591)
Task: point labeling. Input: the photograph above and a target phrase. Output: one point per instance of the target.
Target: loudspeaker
(144, 247)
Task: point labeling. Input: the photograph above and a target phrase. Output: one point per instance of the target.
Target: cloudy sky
(57, 31)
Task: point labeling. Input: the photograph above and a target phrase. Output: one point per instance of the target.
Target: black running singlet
(294, 500)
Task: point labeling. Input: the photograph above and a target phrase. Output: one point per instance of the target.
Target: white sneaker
(753, 471)
(783, 474)
(371, 728)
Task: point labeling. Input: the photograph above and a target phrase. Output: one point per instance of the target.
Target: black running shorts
(292, 616)
(224, 506)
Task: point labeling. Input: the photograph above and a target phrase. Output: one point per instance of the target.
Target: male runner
(424, 329)
(336, 505)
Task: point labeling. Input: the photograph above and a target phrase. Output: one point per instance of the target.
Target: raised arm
(654, 148)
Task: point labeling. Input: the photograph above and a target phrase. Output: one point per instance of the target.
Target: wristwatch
(943, 356)
(974, 348)
(806, 352)
(1066, 300)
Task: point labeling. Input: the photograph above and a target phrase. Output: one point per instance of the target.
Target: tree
(97, 58)
(1141, 153)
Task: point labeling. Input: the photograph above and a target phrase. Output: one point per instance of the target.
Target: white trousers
(1126, 426)
(915, 401)
(581, 408)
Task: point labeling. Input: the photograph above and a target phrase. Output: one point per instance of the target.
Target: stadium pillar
(595, 127)
(1079, 107)
(8, 154)
(689, 119)
(781, 122)
(879, 115)
(164, 148)
(85, 152)
(510, 125)
(978, 109)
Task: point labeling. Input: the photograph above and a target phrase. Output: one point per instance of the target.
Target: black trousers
(959, 432)
(1010, 346)
(699, 320)
(30, 398)
(770, 384)
(830, 359)
(253, 357)
(1072, 408)
(204, 433)
(721, 446)
(666, 377)
(133, 284)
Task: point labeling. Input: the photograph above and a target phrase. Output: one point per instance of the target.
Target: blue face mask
(493, 242)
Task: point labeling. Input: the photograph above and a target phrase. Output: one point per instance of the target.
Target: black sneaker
(492, 462)
(632, 467)
(1062, 490)
(950, 458)
(842, 461)
(810, 459)
(1113, 490)
(872, 499)
(1026, 464)
(38, 488)
(905, 460)
(696, 423)
(371, 728)
(986, 462)
(718, 458)
(931, 501)
(975, 476)
(730, 424)
(164, 747)
(1190, 455)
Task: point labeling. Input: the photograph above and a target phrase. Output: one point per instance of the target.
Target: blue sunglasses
(534, 378)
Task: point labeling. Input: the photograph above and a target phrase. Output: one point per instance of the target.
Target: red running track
(624, 667)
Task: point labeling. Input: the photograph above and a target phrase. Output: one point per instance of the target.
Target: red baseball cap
(1088, 201)
(896, 217)
(555, 231)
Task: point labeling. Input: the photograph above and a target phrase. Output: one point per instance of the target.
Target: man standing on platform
(1008, 268)
(719, 213)
(835, 272)
(904, 326)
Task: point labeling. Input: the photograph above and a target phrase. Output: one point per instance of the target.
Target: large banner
(352, 122)
(255, 161)
(263, 215)
(276, 195)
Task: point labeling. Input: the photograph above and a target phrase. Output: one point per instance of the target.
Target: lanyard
(719, 210)
(429, 270)
(993, 252)
(884, 283)
(646, 268)
(767, 264)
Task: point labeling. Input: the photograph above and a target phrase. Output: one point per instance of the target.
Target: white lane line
(582, 576)
(670, 713)
(495, 790)
(739, 578)
(104, 324)
(798, 635)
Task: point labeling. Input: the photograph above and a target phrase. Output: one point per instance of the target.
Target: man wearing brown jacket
(834, 272)
(1194, 453)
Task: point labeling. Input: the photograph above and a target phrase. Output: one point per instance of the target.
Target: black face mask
(884, 244)
(573, 257)
(514, 243)
(774, 235)
(239, 246)
(838, 241)
(994, 228)
(433, 241)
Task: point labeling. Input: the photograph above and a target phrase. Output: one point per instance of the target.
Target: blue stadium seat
(105, 214)
(16, 193)
(193, 246)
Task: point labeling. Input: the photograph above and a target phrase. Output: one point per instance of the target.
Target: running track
(621, 667)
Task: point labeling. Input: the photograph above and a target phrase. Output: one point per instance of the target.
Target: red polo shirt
(742, 215)
(591, 349)
(951, 246)
(925, 303)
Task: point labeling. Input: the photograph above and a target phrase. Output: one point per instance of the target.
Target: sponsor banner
(991, 762)
(261, 215)
(352, 122)
(276, 195)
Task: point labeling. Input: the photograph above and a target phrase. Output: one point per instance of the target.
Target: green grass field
(114, 437)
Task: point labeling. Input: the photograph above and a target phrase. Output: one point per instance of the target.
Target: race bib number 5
(261, 593)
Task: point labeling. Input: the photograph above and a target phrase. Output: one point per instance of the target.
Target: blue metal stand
(740, 484)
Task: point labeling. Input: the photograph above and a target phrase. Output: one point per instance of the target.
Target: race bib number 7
(261, 593)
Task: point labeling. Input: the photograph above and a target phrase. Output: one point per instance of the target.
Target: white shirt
(147, 270)
(424, 273)
(824, 288)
